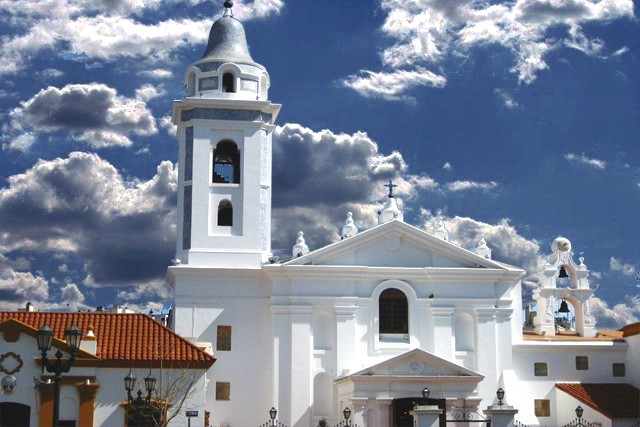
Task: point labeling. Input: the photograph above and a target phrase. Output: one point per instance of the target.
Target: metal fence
(579, 422)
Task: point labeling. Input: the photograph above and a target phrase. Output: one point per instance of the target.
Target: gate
(467, 417)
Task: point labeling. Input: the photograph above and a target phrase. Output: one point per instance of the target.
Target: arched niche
(464, 329)
(322, 395)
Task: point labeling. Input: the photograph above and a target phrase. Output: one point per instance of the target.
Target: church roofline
(417, 234)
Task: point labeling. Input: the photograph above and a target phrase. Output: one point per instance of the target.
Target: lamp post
(500, 395)
(72, 336)
(346, 413)
(425, 393)
(272, 413)
(579, 412)
(137, 403)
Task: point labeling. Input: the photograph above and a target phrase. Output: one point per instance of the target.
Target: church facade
(368, 322)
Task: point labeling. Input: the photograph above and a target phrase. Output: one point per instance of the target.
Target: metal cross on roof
(390, 186)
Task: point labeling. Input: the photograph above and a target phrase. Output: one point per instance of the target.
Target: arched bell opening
(568, 314)
(566, 277)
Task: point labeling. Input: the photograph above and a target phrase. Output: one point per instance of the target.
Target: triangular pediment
(396, 244)
(417, 362)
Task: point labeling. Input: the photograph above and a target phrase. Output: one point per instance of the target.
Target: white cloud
(105, 30)
(122, 230)
(72, 296)
(167, 124)
(51, 73)
(617, 265)
(22, 142)
(447, 166)
(471, 185)
(425, 33)
(594, 163)
(507, 99)
(392, 85)
(148, 92)
(157, 74)
(620, 51)
(617, 316)
(93, 112)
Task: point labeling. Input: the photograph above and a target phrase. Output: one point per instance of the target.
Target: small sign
(192, 413)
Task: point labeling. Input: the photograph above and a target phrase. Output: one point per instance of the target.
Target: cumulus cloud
(471, 185)
(147, 92)
(123, 231)
(582, 159)
(617, 316)
(618, 266)
(94, 113)
(167, 124)
(18, 287)
(503, 238)
(105, 30)
(447, 166)
(423, 34)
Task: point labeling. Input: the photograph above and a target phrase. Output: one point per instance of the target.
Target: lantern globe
(129, 382)
(272, 413)
(73, 336)
(346, 413)
(425, 393)
(45, 337)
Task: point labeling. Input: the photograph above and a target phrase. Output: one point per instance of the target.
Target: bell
(564, 307)
(223, 159)
(563, 273)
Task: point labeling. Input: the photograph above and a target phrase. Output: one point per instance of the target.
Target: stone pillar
(301, 358)
(282, 362)
(384, 414)
(426, 416)
(357, 413)
(501, 415)
(87, 392)
(46, 404)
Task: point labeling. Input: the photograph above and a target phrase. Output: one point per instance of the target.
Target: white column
(426, 416)
(281, 362)
(357, 410)
(345, 338)
(301, 358)
(486, 353)
(384, 413)
(443, 332)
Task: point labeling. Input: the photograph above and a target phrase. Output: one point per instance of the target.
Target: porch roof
(611, 400)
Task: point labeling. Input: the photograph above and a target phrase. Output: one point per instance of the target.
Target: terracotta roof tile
(611, 400)
(119, 336)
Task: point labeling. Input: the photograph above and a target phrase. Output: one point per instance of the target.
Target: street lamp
(579, 412)
(425, 393)
(272, 413)
(72, 336)
(500, 395)
(136, 404)
(346, 413)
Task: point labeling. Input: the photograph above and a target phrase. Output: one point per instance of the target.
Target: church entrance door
(400, 416)
(15, 414)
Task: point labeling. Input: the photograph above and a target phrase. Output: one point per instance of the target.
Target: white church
(371, 321)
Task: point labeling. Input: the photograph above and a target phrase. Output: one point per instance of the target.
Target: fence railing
(273, 424)
(579, 422)
(517, 423)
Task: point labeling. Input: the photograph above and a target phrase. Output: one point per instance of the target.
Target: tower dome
(227, 40)
(226, 70)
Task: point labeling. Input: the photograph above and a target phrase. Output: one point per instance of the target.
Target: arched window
(228, 82)
(226, 163)
(225, 214)
(394, 312)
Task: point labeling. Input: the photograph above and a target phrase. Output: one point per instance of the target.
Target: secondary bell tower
(225, 125)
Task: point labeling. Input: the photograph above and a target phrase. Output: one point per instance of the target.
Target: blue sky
(519, 120)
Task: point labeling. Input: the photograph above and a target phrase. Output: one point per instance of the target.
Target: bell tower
(224, 129)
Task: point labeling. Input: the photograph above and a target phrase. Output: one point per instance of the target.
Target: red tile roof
(611, 400)
(573, 336)
(119, 336)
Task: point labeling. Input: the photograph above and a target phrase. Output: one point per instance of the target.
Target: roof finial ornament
(441, 231)
(483, 250)
(228, 4)
(349, 229)
(390, 186)
(300, 248)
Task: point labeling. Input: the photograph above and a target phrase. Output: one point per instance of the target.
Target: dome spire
(228, 6)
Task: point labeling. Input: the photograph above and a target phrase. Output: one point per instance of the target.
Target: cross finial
(228, 4)
(390, 186)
